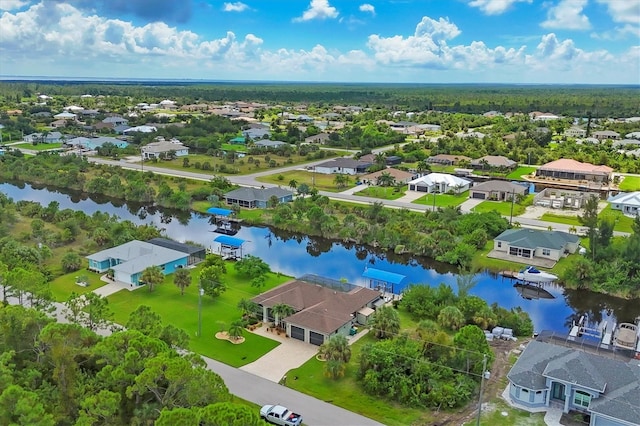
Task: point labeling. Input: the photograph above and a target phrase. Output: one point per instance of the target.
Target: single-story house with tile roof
(320, 311)
(116, 120)
(320, 138)
(399, 176)
(129, 260)
(565, 168)
(160, 148)
(627, 202)
(139, 129)
(347, 166)
(196, 253)
(439, 183)
(523, 243)
(256, 133)
(633, 135)
(51, 137)
(497, 190)
(493, 161)
(94, 143)
(447, 159)
(266, 143)
(65, 116)
(604, 387)
(257, 197)
(606, 134)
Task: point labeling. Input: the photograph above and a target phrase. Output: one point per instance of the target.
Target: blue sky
(404, 41)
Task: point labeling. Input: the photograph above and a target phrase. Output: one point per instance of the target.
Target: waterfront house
(257, 197)
(606, 389)
(493, 162)
(439, 183)
(627, 202)
(322, 308)
(447, 159)
(129, 260)
(569, 169)
(523, 244)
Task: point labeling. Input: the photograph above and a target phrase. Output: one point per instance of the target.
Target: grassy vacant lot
(321, 181)
(502, 207)
(217, 314)
(443, 200)
(521, 171)
(38, 147)
(630, 184)
(345, 392)
(559, 218)
(64, 285)
(621, 222)
(382, 192)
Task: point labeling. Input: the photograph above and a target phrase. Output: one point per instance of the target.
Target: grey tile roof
(531, 238)
(348, 163)
(617, 381)
(499, 185)
(255, 194)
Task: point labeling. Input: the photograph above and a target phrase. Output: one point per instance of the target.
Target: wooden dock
(509, 274)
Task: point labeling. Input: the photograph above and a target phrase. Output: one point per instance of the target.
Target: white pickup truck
(279, 415)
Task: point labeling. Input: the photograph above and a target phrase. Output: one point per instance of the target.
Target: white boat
(533, 275)
(626, 336)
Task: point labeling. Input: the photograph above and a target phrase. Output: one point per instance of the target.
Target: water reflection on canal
(297, 255)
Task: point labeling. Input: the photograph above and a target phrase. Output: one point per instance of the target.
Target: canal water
(296, 255)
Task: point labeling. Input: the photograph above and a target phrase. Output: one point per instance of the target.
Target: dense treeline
(601, 101)
(612, 265)
(64, 374)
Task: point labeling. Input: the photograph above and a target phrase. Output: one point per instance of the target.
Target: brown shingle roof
(318, 308)
(399, 175)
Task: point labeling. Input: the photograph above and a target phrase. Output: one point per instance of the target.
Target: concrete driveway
(291, 353)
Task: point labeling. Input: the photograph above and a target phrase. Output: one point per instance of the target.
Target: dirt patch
(223, 335)
(492, 388)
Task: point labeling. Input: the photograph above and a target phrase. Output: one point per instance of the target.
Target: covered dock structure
(386, 282)
(224, 220)
(229, 247)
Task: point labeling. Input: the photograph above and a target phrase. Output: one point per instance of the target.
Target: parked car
(279, 415)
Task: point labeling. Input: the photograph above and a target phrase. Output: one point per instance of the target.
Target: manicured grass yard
(521, 171)
(38, 147)
(443, 200)
(558, 218)
(64, 285)
(321, 181)
(217, 314)
(382, 192)
(346, 392)
(630, 184)
(621, 222)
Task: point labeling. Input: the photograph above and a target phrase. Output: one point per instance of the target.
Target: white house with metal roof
(627, 202)
(439, 183)
(129, 260)
(605, 388)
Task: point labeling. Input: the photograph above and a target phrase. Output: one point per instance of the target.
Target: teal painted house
(129, 260)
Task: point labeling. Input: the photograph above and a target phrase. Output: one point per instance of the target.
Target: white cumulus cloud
(367, 8)
(12, 4)
(623, 10)
(318, 9)
(567, 15)
(495, 7)
(235, 7)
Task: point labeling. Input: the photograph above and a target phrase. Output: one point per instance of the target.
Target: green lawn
(217, 314)
(233, 147)
(521, 171)
(558, 218)
(501, 414)
(502, 207)
(443, 200)
(64, 285)
(630, 184)
(384, 193)
(621, 222)
(38, 147)
(346, 392)
(321, 181)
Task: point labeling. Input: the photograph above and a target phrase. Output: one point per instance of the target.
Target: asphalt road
(260, 391)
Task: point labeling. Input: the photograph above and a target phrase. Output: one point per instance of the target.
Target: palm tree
(385, 179)
(182, 279)
(423, 166)
(336, 348)
(450, 317)
(341, 180)
(248, 307)
(281, 311)
(293, 184)
(152, 276)
(385, 322)
(380, 158)
(235, 330)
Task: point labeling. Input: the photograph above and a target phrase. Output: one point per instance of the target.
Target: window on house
(546, 252)
(581, 399)
(499, 244)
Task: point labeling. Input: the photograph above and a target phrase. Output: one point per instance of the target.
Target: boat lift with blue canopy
(383, 280)
(229, 246)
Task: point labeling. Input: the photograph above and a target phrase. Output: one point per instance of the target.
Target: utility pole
(484, 373)
(200, 293)
(513, 200)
